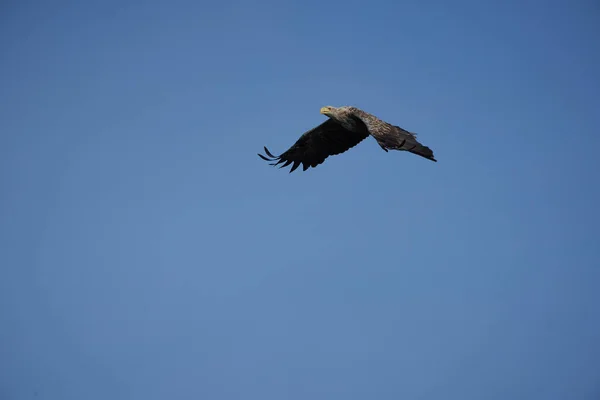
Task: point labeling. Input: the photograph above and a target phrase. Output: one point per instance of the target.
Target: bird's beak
(324, 110)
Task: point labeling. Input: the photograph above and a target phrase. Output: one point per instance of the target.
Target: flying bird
(345, 127)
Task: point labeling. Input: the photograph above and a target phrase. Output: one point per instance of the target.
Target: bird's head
(329, 111)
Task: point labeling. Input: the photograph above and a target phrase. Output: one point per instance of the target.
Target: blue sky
(148, 253)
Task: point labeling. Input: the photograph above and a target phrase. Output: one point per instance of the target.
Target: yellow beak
(324, 110)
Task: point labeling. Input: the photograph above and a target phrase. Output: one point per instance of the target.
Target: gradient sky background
(148, 253)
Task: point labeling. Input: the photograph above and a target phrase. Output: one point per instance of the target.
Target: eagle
(344, 128)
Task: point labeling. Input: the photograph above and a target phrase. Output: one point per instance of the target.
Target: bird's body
(345, 128)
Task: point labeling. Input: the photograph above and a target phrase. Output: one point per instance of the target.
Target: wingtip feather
(268, 152)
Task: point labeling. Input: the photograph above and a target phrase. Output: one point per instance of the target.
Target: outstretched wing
(401, 139)
(315, 145)
(393, 137)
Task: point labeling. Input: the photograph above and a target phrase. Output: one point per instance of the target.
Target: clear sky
(148, 253)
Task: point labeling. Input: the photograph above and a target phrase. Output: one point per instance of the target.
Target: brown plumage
(346, 127)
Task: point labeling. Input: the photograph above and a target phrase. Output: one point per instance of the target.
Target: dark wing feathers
(315, 145)
(401, 139)
(422, 151)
